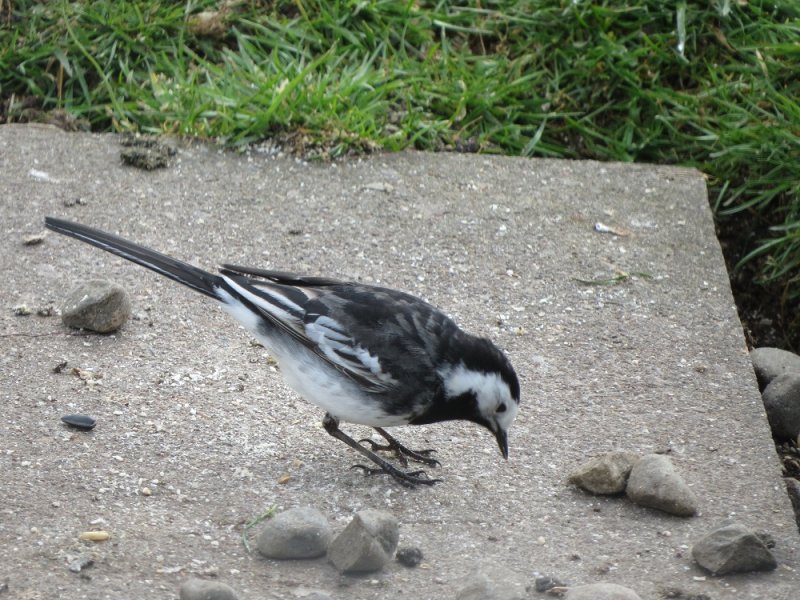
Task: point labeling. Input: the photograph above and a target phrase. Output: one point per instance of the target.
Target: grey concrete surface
(190, 409)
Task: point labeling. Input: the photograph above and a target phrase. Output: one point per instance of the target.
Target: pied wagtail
(364, 354)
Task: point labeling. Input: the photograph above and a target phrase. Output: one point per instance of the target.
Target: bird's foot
(409, 479)
(406, 478)
(402, 453)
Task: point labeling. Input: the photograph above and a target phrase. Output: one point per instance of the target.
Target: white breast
(313, 378)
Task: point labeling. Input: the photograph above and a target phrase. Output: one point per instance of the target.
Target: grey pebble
(545, 583)
(22, 310)
(769, 363)
(301, 532)
(733, 548)
(80, 563)
(601, 591)
(488, 581)
(366, 544)
(201, 589)
(306, 594)
(782, 404)
(97, 305)
(655, 483)
(606, 474)
(681, 594)
(33, 240)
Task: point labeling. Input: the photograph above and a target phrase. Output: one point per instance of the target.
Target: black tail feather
(199, 280)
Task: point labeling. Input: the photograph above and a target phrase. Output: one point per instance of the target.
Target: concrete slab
(190, 409)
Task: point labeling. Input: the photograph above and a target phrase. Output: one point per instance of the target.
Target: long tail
(202, 281)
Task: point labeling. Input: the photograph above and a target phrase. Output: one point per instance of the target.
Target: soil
(768, 317)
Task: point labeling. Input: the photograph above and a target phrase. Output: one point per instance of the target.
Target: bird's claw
(407, 478)
(420, 456)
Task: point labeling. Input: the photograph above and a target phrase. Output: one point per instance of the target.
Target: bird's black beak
(502, 441)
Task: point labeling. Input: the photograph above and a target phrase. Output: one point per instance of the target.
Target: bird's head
(487, 394)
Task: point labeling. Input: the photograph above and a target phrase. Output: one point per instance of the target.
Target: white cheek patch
(489, 388)
(504, 419)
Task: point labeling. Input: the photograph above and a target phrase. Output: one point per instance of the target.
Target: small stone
(733, 548)
(366, 544)
(480, 587)
(80, 563)
(793, 489)
(146, 152)
(33, 240)
(301, 532)
(200, 589)
(46, 311)
(782, 404)
(769, 363)
(97, 305)
(306, 594)
(544, 583)
(606, 474)
(679, 594)
(492, 582)
(409, 557)
(22, 310)
(601, 591)
(654, 483)
(146, 491)
(84, 422)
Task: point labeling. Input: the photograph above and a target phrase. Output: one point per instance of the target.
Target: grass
(712, 84)
(257, 520)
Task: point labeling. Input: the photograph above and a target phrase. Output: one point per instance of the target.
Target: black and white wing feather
(369, 334)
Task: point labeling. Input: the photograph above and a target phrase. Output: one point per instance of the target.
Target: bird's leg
(410, 479)
(420, 456)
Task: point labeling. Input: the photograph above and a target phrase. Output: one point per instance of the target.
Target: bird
(365, 354)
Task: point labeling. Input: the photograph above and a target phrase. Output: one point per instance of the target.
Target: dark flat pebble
(84, 422)
(409, 557)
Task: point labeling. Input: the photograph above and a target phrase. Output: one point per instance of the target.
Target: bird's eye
(502, 407)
